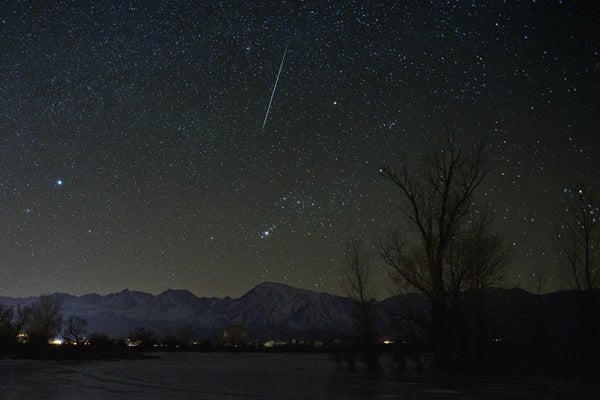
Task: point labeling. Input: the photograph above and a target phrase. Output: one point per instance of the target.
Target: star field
(132, 154)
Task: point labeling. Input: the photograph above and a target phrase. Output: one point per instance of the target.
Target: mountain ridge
(274, 310)
(268, 308)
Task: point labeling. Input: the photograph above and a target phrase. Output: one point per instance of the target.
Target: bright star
(267, 232)
(59, 182)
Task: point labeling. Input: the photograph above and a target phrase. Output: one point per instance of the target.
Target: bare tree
(437, 201)
(7, 329)
(23, 317)
(179, 338)
(539, 280)
(476, 262)
(235, 336)
(356, 282)
(578, 239)
(46, 319)
(477, 254)
(144, 337)
(578, 242)
(74, 329)
(356, 273)
(539, 332)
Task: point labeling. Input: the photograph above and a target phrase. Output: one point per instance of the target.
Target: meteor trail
(274, 87)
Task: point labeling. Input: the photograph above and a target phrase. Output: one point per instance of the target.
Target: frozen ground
(258, 376)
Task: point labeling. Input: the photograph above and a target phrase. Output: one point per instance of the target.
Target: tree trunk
(440, 342)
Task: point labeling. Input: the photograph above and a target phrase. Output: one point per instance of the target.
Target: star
(268, 232)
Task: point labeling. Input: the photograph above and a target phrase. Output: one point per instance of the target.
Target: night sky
(132, 153)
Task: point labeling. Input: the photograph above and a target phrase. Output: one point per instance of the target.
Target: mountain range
(268, 311)
(281, 312)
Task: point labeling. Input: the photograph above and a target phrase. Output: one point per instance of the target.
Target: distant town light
(56, 341)
(22, 338)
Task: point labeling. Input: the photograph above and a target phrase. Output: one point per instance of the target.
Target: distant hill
(277, 311)
(269, 311)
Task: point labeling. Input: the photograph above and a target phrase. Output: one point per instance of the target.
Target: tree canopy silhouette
(453, 248)
(578, 238)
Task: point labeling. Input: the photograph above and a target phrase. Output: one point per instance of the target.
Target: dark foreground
(259, 375)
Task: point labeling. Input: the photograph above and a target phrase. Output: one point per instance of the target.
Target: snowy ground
(259, 376)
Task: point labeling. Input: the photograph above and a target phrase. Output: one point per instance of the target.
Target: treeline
(34, 324)
(28, 331)
(39, 331)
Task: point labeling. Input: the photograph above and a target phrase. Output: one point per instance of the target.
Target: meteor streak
(274, 88)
